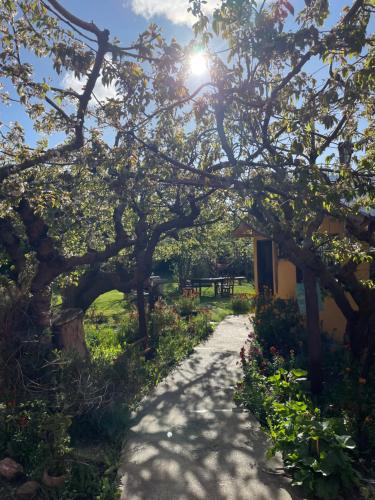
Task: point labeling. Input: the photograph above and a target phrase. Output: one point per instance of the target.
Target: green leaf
(297, 372)
(346, 442)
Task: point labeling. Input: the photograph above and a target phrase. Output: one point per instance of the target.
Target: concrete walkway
(190, 442)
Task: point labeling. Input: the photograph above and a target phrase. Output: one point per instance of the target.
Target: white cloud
(101, 92)
(174, 10)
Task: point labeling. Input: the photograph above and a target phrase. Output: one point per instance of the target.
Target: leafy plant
(35, 436)
(278, 323)
(88, 480)
(314, 450)
(200, 326)
(186, 306)
(173, 338)
(242, 303)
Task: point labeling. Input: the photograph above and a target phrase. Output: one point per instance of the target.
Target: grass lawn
(110, 303)
(222, 306)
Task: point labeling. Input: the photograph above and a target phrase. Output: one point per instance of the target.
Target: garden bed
(327, 442)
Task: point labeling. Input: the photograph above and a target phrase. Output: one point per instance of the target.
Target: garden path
(189, 441)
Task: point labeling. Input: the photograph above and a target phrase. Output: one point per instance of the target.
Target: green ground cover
(110, 304)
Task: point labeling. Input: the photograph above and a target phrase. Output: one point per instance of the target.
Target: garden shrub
(348, 393)
(256, 368)
(323, 443)
(200, 326)
(278, 323)
(104, 342)
(186, 306)
(34, 436)
(314, 449)
(317, 451)
(106, 393)
(87, 480)
(242, 303)
(128, 327)
(174, 337)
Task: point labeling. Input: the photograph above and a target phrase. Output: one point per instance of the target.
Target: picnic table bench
(223, 285)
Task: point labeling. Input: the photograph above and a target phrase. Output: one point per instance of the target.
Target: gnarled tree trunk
(69, 333)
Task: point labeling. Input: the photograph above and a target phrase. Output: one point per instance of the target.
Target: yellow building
(275, 272)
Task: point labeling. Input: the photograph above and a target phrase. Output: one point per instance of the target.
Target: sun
(198, 63)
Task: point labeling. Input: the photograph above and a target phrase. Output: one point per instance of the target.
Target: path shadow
(190, 442)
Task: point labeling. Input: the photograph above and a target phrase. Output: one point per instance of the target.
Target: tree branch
(83, 101)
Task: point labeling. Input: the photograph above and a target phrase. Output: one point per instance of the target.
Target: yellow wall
(332, 320)
(285, 279)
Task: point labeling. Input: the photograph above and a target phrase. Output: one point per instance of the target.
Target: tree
(296, 149)
(290, 141)
(208, 249)
(87, 213)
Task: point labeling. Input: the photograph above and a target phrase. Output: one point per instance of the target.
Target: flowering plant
(278, 325)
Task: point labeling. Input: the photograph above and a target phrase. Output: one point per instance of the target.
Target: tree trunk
(313, 331)
(40, 308)
(69, 333)
(142, 317)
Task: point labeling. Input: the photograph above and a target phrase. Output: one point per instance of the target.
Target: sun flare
(198, 64)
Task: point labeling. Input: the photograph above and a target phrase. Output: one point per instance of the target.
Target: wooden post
(313, 331)
(68, 331)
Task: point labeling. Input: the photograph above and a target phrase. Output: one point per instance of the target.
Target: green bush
(34, 436)
(174, 337)
(88, 480)
(349, 394)
(104, 342)
(186, 306)
(317, 451)
(314, 449)
(107, 341)
(200, 327)
(251, 391)
(242, 303)
(278, 324)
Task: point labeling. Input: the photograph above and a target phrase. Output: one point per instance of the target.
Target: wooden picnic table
(218, 283)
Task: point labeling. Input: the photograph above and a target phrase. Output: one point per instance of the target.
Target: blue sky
(126, 19)
(120, 17)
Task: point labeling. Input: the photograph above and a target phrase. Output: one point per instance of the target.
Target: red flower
(23, 421)
(273, 350)
(242, 354)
